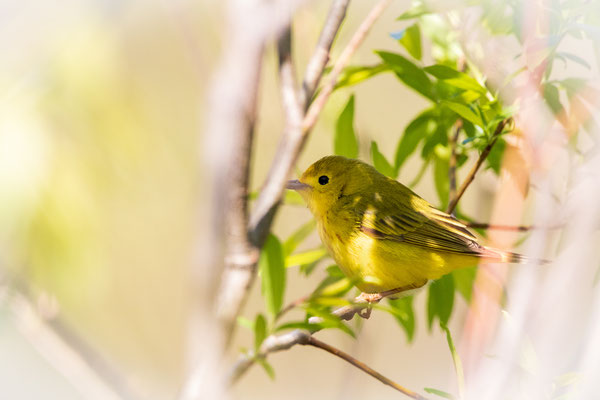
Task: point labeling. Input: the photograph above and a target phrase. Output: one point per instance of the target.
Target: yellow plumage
(380, 233)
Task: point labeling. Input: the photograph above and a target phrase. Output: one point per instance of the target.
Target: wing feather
(418, 223)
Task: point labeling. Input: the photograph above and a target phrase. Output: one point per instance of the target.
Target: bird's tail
(509, 257)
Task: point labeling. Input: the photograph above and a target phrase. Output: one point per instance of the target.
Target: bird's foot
(369, 298)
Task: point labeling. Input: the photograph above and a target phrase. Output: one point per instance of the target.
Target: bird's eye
(323, 180)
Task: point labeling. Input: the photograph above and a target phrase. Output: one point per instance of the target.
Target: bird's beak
(297, 185)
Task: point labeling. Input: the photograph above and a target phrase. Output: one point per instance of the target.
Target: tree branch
(480, 160)
(362, 366)
(320, 57)
(241, 274)
(317, 105)
(273, 344)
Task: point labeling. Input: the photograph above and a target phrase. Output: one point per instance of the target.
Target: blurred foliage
(430, 60)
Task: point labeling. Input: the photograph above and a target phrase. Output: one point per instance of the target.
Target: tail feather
(509, 257)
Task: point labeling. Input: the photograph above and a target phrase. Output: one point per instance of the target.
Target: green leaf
(260, 331)
(334, 286)
(463, 281)
(465, 112)
(329, 320)
(306, 257)
(266, 366)
(293, 198)
(441, 173)
(414, 12)
(418, 129)
(441, 300)
(298, 237)
(402, 310)
(439, 393)
(409, 73)
(552, 97)
(245, 322)
(411, 40)
(455, 78)
(380, 163)
(345, 141)
(272, 271)
(494, 159)
(460, 374)
(355, 74)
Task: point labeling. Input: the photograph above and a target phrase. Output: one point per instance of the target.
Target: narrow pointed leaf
(380, 163)
(345, 141)
(272, 272)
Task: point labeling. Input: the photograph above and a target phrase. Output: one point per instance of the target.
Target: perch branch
(480, 160)
(273, 344)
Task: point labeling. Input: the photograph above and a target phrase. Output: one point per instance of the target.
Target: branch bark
(486, 151)
(286, 341)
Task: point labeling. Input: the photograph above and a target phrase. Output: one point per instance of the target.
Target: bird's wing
(416, 222)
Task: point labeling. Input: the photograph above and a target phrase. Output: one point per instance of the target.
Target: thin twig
(317, 105)
(452, 163)
(480, 160)
(320, 57)
(362, 366)
(273, 344)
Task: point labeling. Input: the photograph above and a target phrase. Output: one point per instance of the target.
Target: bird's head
(328, 180)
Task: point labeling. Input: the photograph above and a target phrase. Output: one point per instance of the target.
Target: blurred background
(102, 110)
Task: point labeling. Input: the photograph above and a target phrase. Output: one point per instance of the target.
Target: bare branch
(317, 106)
(480, 160)
(362, 366)
(294, 136)
(320, 57)
(273, 344)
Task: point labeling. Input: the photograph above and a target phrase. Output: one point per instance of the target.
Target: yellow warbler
(382, 235)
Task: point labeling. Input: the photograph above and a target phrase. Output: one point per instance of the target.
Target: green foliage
(272, 272)
(402, 310)
(298, 237)
(260, 331)
(440, 393)
(463, 281)
(411, 40)
(409, 73)
(441, 300)
(380, 162)
(345, 142)
(460, 375)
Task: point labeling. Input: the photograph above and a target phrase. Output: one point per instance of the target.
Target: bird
(383, 236)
